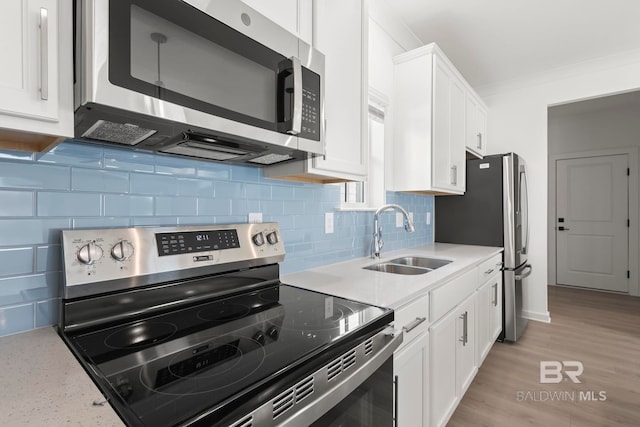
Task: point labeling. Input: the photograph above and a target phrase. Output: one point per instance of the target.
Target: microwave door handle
(296, 119)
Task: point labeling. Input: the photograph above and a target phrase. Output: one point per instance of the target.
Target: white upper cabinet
(340, 33)
(429, 123)
(476, 126)
(36, 78)
(294, 16)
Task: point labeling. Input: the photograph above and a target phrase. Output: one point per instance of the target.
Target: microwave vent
(121, 133)
(270, 159)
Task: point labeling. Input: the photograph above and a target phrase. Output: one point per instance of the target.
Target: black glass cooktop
(164, 369)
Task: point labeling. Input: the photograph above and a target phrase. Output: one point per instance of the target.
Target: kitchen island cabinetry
(36, 101)
(342, 38)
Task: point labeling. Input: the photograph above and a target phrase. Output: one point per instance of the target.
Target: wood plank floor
(601, 330)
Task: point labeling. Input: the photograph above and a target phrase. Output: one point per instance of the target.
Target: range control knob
(122, 250)
(258, 239)
(272, 238)
(259, 337)
(89, 253)
(125, 390)
(273, 333)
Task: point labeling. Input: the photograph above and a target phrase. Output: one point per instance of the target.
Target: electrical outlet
(328, 223)
(428, 218)
(255, 217)
(399, 220)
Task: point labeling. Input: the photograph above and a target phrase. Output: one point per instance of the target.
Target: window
(370, 194)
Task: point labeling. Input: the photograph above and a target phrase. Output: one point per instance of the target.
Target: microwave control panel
(311, 105)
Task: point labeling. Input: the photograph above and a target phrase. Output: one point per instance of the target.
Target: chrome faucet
(377, 231)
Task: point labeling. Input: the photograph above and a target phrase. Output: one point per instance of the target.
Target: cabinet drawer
(451, 294)
(412, 318)
(489, 268)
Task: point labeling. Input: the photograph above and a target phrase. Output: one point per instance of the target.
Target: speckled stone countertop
(42, 384)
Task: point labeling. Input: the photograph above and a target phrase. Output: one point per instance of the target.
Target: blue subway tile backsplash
(80, 185)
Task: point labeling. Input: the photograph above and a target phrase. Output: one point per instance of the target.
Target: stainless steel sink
(414, 261)
(387, 267)
(409, 265)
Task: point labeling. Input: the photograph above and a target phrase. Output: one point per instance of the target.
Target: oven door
(237, 74)
(364, 398)
(371, 404)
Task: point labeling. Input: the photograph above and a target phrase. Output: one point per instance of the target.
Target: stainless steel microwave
(199, 78)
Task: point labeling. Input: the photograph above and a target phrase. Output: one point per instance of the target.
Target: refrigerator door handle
(526, 272)
(524, 210)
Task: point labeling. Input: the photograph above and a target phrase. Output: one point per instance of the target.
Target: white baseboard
(537, 316)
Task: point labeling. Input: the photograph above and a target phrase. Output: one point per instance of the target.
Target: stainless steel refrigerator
(493, 212)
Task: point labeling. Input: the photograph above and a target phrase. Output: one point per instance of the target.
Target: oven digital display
(196, 241)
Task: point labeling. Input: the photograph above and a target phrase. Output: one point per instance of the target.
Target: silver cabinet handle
(411, 326)
(44, 54)
(489, 271)
(479, 140)
(396, 380)
(465, 335)
(454, 175)
(296, 120)
(495, 295)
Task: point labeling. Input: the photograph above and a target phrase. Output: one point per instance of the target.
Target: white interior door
(592, 234)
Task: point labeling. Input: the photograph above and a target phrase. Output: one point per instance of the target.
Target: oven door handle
(333, 396)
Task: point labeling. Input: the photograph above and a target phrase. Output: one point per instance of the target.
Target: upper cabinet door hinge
(628, 274)
(628, 223)
(628, 171)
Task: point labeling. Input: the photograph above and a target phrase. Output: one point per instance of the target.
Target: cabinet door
(466, 367)
(476, 125)
(442, 167)
(484, 324)
(410, 366)
(448, 142)
(496, 308)
(294, 16)
(342, 38)
(472, 140)
(442, 369)
(29, 72)
(457, 156)
(481, 123)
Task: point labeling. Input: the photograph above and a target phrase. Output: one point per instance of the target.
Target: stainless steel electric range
(191, 326)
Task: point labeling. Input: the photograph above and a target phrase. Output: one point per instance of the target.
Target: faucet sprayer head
(408, 225)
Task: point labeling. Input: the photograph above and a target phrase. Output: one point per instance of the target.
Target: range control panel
(104, 255)
(196, 241)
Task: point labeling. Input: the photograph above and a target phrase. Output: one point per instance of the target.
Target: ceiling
(493, 41)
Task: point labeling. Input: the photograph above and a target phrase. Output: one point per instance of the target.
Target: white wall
(594, 130)
(518, 122)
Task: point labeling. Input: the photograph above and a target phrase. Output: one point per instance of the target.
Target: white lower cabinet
(447, 335)
(411, 374)
(411, 364)
(489, 306)
(452, 364)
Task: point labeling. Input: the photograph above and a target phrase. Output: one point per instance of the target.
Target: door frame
(634, 228)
